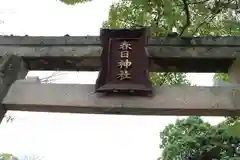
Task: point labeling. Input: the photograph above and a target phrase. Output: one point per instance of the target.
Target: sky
(76, 136)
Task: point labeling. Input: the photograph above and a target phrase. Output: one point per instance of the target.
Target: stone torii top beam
(174, 54)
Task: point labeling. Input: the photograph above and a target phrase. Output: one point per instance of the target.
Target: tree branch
(215, 11)
(48, 78)
(199, 2)
(206, 20)
(187, 13)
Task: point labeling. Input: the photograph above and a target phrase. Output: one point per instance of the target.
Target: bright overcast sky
(76, 136)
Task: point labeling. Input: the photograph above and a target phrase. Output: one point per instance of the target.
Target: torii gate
(166, 54)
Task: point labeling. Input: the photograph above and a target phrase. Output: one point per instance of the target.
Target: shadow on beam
(156, 65)
(162, 58)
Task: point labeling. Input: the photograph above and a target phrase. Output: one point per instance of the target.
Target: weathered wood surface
(11, 68)
(185, 54)
(76, 98)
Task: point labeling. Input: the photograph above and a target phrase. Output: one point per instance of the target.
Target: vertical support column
(12, 68)
(234, 71)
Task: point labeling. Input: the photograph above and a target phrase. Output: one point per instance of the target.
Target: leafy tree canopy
(189, 17)
(192, 138)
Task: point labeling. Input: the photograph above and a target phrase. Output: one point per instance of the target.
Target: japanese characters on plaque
(124, 64)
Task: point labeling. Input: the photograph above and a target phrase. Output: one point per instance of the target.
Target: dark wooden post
(124, 62)
(11, 69)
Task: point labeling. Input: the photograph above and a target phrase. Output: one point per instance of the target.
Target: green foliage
(234, 126)
(194, 137)
(206, 17)
(168, 78)
(222, 76)
(234, 130)
(7, 156)
(73, 2)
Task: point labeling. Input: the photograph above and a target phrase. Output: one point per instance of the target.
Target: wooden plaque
(124, 62)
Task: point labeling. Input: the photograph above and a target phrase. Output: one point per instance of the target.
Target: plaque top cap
(124, 32)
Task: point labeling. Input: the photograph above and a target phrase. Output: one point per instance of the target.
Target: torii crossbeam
(166, 54)
(173, 54)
